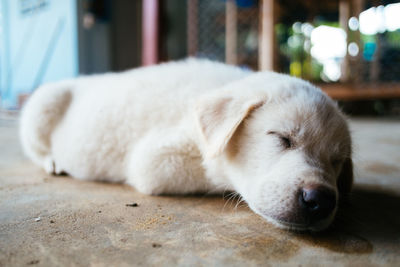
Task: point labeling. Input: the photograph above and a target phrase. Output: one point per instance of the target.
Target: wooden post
(344, 16)
(375, 67)
(150, 32)
(375, 64)
(192, 27)
(358, 6)
(267, 35)
(231, 32)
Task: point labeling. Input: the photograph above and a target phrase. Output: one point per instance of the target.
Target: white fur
(190, 126)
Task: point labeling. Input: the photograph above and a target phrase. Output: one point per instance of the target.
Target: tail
(39, 117)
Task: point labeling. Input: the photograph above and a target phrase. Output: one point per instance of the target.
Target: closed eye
(285, 141)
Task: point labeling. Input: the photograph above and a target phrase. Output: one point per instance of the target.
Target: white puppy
(196, 126)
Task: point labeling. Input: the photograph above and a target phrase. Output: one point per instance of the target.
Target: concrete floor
(83, 223)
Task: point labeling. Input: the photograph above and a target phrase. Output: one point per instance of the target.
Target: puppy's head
(283, 145)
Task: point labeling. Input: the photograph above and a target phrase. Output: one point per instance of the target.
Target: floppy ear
(345, 179)
(219, 116)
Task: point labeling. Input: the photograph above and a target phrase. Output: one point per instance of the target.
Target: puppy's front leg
(165, 162)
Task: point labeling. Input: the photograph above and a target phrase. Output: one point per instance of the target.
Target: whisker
(239, 200)
(230, 196)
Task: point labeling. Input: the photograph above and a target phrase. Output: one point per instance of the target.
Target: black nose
(317, 202)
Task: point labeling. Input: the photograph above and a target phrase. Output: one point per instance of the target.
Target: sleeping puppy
(197, 126)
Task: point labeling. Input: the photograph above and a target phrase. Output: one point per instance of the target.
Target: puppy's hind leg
(166, 163)
(39, 117)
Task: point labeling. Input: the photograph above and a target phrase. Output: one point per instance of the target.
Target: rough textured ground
(84, 223)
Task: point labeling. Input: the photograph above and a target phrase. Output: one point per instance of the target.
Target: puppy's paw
(147, 188)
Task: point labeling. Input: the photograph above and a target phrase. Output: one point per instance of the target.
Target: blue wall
(38, 45)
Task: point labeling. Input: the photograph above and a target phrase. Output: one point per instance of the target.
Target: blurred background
(350, 48)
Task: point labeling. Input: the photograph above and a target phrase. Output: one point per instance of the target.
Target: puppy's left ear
(219, 116)
(345, 179)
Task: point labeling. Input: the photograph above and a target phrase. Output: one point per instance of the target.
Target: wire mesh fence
(209, 35)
